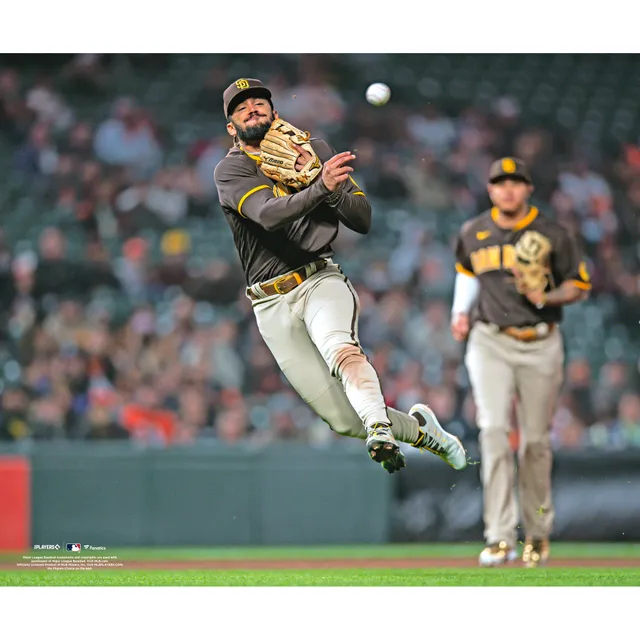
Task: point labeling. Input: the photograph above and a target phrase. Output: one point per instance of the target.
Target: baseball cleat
(435, 439)
(383, 448)
(496, 555)
(391, 466)
(536, 552)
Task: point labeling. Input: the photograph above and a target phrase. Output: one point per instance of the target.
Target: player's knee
(350, 430)
(495, 440)
(537, 444)
(344, 425)
(347, 361)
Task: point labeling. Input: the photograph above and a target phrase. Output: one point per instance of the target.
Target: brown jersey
(486, 251)
(277, 229)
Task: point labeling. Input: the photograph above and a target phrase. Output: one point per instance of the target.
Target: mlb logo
(74, 546)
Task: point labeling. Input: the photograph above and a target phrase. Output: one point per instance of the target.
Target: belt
(530, 334)
(288, 282)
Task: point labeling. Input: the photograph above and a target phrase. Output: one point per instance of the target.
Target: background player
(305, 307)
(514, 348)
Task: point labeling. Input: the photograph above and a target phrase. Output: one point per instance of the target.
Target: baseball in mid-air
(378, 94)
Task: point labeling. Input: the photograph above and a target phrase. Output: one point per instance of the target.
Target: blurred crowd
(186, 362)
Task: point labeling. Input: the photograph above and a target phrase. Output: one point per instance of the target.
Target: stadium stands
(123, 312)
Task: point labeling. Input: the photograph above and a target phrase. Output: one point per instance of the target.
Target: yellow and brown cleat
(383, 448)
(497, 555)
(536, 552)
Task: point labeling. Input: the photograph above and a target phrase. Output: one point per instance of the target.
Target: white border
(317, 613)
(310, 613)
(249, 26)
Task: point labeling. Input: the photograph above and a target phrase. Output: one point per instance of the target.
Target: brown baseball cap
(509, 168)
(242, 89)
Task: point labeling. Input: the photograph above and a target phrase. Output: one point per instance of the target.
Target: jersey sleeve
(463, 259)
(236, 183)
(251, 196)
(568, 263)
(349, 202)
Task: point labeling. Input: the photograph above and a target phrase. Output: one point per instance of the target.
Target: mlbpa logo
(74, 546)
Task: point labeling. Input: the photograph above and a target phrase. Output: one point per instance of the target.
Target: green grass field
(611, 565)
(332, 578)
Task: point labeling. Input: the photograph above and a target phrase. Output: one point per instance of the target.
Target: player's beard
(254, 134)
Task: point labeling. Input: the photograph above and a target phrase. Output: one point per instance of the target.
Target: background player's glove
(532, 262)
(279, 155)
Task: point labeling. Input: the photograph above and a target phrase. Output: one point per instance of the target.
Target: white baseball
(378, 94)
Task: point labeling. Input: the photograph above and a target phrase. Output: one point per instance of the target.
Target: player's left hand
(304, 157)
(535, 297)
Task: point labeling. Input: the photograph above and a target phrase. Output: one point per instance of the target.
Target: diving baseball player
(284, 195)
(516, 269)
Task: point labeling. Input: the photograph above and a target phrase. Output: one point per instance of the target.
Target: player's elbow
(362, 226)
(366, 223)
(361, 223)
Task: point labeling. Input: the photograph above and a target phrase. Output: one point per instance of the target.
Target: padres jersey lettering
(492, 258)
(486, 251)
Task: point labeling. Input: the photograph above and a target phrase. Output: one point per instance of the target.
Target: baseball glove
(278, 155)
(532, 262)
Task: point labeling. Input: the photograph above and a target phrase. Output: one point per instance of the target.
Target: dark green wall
(117, 495)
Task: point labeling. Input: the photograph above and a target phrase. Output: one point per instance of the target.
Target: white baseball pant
(312, 332)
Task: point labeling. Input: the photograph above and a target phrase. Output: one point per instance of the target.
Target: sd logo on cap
(242, 89)
(509, 168)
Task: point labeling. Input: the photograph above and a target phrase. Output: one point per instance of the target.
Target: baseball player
(516, 269)
(284, 195)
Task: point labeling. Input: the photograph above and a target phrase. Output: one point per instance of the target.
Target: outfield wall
(115, 494)
(596, 498)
